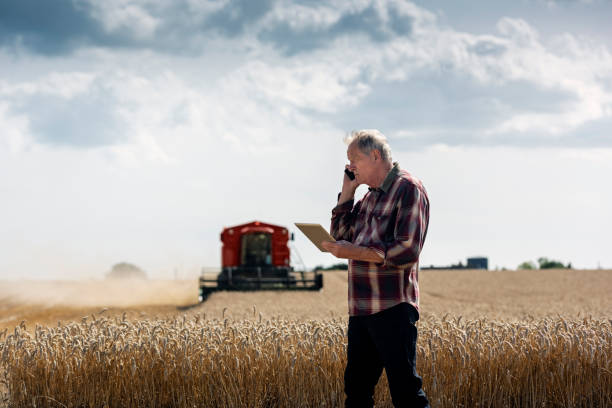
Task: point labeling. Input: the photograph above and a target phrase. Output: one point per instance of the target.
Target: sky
(136, 130)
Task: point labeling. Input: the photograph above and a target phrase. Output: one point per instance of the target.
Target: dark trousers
(385, 339)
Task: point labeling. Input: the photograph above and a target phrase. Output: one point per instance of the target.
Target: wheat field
(486, 339)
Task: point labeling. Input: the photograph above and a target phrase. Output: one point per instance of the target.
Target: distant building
(479, 262)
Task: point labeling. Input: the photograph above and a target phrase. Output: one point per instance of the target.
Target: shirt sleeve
(409, 232)
(342, 222)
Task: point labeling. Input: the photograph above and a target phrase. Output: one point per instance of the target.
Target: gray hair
(368, 140)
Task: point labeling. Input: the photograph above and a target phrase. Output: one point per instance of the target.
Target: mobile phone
(350, 174)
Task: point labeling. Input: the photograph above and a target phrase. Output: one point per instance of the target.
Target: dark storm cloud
(54, 27)
(368, 22)
(233, 19)
(47, 27)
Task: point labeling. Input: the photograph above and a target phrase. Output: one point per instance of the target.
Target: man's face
(363, 165)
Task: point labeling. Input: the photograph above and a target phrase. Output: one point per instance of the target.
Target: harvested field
(475, 294)
(489, 339)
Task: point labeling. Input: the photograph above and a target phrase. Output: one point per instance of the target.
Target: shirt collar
(386, 184)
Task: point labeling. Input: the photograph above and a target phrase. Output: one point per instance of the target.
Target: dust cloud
(91, 293)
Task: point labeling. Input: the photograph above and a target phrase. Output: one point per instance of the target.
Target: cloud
(488, 47)
(233, 19)
(146, 114)
(60, 27)
(14, 130)
(121, 15)
(322, 86)
(48, 27)
(387, 64)
(443, 86)
(296, 28)
(75, 109)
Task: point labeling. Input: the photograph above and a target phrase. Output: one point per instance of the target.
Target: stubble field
(486, 339)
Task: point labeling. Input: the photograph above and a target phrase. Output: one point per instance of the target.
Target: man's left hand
(341, 249)
(346, 250)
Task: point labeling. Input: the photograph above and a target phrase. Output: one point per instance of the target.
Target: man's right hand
(348, 187)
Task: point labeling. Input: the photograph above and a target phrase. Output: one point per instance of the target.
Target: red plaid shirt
(393, 221)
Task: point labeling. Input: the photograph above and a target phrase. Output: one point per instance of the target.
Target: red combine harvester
(256, 256)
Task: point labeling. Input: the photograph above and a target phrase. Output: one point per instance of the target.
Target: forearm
(367, 255)
(401, 254)
(358, 253)
(343, 217)
(347, 194)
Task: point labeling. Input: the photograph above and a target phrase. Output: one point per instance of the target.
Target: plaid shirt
(392, 220)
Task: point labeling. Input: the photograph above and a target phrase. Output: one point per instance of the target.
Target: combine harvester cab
(256, 256)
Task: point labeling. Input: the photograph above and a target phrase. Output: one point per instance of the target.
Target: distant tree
(527, 265)
(546, 263)
(125, 270)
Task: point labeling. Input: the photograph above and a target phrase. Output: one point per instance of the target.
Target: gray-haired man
(382, 236)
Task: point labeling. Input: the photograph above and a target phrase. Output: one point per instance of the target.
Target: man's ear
(376, 154)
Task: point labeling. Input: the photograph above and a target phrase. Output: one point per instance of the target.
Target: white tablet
(316, 234)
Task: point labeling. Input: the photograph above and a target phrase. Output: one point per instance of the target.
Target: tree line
(545, 263)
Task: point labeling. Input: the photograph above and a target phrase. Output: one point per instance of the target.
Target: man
(381, 236)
